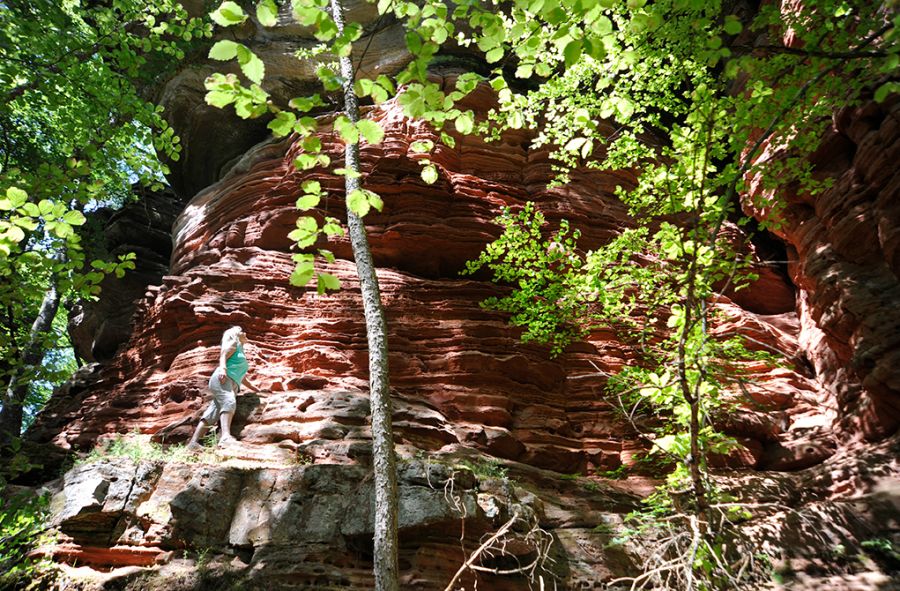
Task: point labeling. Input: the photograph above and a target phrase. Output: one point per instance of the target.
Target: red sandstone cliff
(461, 379)
(463, 384)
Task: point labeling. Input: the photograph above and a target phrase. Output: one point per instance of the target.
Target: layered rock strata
(459, 374)
(844, 256)
(462, 381)
(97, 328)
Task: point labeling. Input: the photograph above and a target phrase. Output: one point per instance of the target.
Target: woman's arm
(223, 363)
(225, 354)
(246, 381)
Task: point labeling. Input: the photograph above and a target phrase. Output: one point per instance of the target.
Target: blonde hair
(231, 337)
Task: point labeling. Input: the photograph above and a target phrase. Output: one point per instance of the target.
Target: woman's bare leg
(225, 422)
(199, 432)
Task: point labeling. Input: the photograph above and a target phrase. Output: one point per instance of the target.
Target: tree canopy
(75, 133)
(704, 100)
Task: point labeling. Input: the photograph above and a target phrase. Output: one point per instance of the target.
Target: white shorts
(224, 399)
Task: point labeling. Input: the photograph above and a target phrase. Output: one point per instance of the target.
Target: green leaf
(61, 229)
(304, 14)
(429, 174)
(303, 272)
(307, 223)
(15, 234)
(219, 98)
(252, 67)
(885, 89)
(17, 197)
(305, 161)
(306, 103)
(45, 207)
(346, 130)
(371, 131)
(326, 29)
(374, 200)
(572, 52)
(421, 146)
(306, 125)
(74, 218)
(575, 144)
(332, 227)
(347, 172)
(524, 71)
(223, 50)
(308, 202)
(267, 13)
(228, 13)
(283, 123)
(358, 203)
(379, 94)
(494, 55)
(465, 123)
(327, 255)
(328, 281)
(307, 232)
(311, 187)
(413, 42)
(25, 223)
(733, 25)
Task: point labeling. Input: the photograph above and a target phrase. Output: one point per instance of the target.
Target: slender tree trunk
(386, 567)
(12, 413)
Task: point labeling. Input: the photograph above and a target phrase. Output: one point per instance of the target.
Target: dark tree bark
(13, 398)
(386, 567)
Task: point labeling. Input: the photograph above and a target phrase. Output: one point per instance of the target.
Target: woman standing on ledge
(225, 383)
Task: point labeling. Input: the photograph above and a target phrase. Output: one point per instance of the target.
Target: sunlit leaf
(267, 13)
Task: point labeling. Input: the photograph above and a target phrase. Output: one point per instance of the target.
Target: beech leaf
(267, 13)
(223, 50)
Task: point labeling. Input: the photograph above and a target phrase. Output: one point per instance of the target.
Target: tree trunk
(386, 567)
(692, 399)
(12, 413)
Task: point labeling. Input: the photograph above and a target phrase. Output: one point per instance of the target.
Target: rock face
(213, 139)
(844, 257)
(459, 374)
(309, 525)
(291, 504)
(462, 382)
(97, 328)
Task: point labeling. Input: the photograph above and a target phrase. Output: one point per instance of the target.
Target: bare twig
(477, 553)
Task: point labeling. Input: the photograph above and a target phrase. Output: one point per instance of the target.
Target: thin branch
(838, 55)
(477, 553)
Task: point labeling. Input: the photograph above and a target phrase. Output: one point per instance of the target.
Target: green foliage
(484, 467)
(545, 273)
(663, 88)
(23, 526)
(428, 26)
(22, 529)
(75, 132)
(664, 72)
(138, 448)
(884, 549)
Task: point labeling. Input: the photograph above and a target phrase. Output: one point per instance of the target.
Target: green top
(236, 367)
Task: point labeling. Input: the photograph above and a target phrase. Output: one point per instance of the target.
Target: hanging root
(521, 531)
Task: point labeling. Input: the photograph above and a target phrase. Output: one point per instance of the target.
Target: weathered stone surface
(213, 138)
(844, 258)
(312, 522)
(98, 328)
(463, 384)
